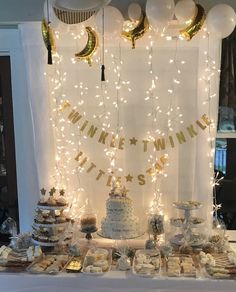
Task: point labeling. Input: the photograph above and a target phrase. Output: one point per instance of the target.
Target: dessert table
(115, 281)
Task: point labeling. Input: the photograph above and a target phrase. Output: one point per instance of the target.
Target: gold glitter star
(52, 191)
(124, 190)
(129, 178)
(133, 141)
(43, 191)
(62, 192)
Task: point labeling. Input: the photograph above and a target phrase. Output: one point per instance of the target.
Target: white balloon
(185, 10)
(113, 20)
(159, 13)
(81, 4)
(134, 11)
(221, 20)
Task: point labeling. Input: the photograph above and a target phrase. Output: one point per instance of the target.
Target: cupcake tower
(50, 221)
(187, 239)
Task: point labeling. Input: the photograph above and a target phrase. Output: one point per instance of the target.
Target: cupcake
(61, 201)
(39, 218)
(50, 220)
(60, 219)
(51, 200)
(43, 200)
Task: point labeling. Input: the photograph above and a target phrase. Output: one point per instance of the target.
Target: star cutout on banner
(133, 141)
(129, 178)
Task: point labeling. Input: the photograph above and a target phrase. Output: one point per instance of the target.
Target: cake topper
(117, 190)
(52, 191)
(43, 191)
(62, 192)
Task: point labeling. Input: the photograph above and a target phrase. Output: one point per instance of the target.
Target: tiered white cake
(120, 222)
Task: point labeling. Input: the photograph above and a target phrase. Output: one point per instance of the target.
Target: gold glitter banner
(100, 174)
(160, 144)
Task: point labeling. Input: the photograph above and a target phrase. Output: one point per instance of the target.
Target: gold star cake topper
(43, 191)
(52, 191)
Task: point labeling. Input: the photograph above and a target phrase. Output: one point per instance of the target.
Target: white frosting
(120, 221)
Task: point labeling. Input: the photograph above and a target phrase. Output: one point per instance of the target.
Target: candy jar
(88, 221)
(155, 225)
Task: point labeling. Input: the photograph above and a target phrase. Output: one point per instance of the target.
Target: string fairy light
(64, 172)
(210, 74)
(170, 115)
(108, 102)
(155, 130)
(112, 152)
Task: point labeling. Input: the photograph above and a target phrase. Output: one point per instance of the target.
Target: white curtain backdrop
(37, 148)
(188, 171)
(34, 56)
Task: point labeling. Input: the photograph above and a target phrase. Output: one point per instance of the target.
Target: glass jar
(88, 219)
(88, 223)
(156, 224)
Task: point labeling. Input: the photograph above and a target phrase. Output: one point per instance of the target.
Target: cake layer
(119, 209)
(120, 229)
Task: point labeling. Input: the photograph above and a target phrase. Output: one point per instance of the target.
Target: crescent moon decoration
(49, 40)
(139, 30)
(197, 22)
(90, 47)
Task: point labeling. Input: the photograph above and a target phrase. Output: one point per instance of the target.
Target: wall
(32, 10)
(10, 45)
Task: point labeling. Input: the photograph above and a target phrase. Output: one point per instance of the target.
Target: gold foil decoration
(100, 174)
(129, 178)
(49, 40)
(90, 47)
(138, 31)
(48, 36)
(196, 24)
(141, 179)
(133, 141)
(64, 106)
(107, 138)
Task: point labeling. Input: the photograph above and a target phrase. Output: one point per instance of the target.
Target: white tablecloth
(113, 281)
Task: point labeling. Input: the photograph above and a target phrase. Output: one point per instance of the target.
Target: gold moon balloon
(138, 31)
(90, 47)
(48, 36)
(196, 24)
